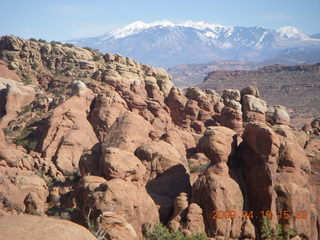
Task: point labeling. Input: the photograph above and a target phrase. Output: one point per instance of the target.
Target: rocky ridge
(296, 87)
(101, 138)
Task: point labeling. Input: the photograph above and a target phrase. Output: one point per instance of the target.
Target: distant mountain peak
(166, 44)
(289, 32)
(137, 26)
(201, 25)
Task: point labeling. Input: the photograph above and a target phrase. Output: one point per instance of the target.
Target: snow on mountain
(137, 26)
(163, 43)
(289, 32)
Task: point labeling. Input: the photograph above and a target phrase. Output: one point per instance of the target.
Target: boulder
(232, 118)
(158, 157)
(176, 101)
(179, 212)
(128, 132)
(258, 153)
(292, 183)
(67, 132)
(160, 112)
(129, 200)
(191, 110)
(253, 108)
(251, 90)
(116, 227)
(173, 137)
(116, 163)
(78, 88)
(194, 220)
(22, 191)
(277, 115)
(34, 204)
(315, 125)
(41, 228)
(167, 174)
(89, 161)
(13, 97)
(218, 143)
(216, 191)
(232, 94)
(292, 154)
(205, 100)
(106, 109)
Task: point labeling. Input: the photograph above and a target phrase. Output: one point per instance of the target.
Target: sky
(69, 19)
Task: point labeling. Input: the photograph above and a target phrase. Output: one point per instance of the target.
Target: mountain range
(165, 44)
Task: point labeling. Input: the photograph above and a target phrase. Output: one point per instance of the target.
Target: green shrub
(57, 211)
(60, 92)
(278, 232)
(26, 79)
(34, 65)
(23, 140)
(160, 232)
(96, 58)
(68, 45)
(69, 67)
(42, 40)
(198, 168)
(89, 49)
(96, 230)
(70, 54)
(25, 109)
(54, 43)
(8, 132)
(32, 39)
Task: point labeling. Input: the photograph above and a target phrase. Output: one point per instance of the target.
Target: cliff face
(296, 87)
(85, 135)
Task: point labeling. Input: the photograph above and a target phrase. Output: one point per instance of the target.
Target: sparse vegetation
(90, 49)
(26, 79)
(57, 211)
(70, 54)
(197, 168)
(24, 142)
(69, 67)
(32, 39)
(54, 43)
(60, 92)
(160, 232)
(96, 58)
(278, 232)
(8, 132)
(93, 227)
(68, 45)
(42, 40)
(72, 177)
(34, 65)
(25, 109)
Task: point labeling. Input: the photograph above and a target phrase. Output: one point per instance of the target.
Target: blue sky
(68, 19)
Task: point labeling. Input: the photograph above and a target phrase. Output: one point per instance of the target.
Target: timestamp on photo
(284, 214)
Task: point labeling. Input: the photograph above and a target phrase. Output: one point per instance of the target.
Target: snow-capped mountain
(163, 43)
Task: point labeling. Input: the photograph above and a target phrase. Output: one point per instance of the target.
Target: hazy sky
(67, 19)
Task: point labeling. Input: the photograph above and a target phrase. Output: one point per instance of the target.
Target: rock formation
(104, 140)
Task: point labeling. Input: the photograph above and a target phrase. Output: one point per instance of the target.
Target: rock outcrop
(35, 227)
(104, 140)
(67, 132)
(215, 191)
